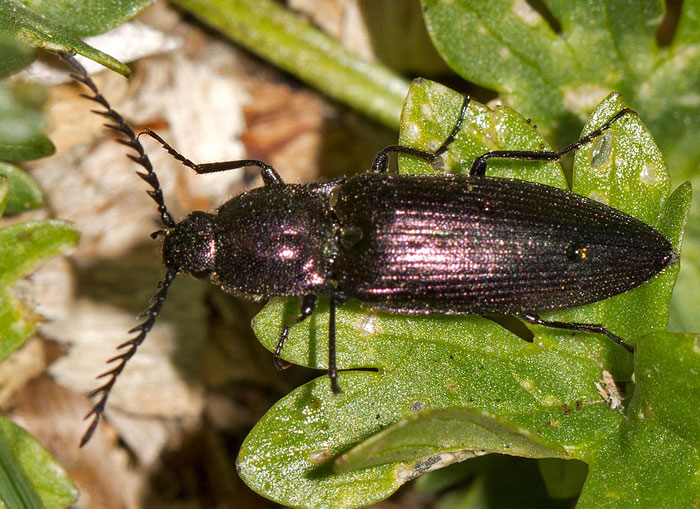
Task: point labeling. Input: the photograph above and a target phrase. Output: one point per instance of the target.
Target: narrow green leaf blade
(29, 476)
(4, 191)
(279, 36)
(23, 245)
(16, 490)
(14, 55)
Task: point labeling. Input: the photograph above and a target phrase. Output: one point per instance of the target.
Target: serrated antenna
(127, 349)
(118, 124)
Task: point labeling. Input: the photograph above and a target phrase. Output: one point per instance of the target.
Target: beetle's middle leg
(381, 161)
(335, 300)
(479, 165)
(267, 172)
(583, 327)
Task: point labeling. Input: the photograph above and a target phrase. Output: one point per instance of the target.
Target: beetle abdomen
(459, 244)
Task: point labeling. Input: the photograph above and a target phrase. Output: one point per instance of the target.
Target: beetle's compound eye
(191, 245)
(576, 252)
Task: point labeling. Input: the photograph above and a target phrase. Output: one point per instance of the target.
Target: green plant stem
(278, 36)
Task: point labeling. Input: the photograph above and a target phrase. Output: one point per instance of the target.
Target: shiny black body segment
(449, 244)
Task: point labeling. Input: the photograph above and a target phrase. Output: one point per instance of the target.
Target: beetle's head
(190, 245)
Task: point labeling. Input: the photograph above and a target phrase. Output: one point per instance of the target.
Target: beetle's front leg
(267, 172)
(308, 305)
(381, 161)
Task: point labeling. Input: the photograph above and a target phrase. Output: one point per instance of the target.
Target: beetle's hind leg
(583, 327)
(268, 173)
(479, 165)
(381, 161)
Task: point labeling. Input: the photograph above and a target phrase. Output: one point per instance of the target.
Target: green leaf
(22, 125)
(667, 388)
(654, 460)
(24, 193)
(14, 55)
(533, 63)
(88, 17)
(544, 393)
(29, 476)
(52, 29)
(22, 246)
(557, 78)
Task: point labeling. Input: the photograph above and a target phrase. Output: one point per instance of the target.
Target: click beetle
(448, 244)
